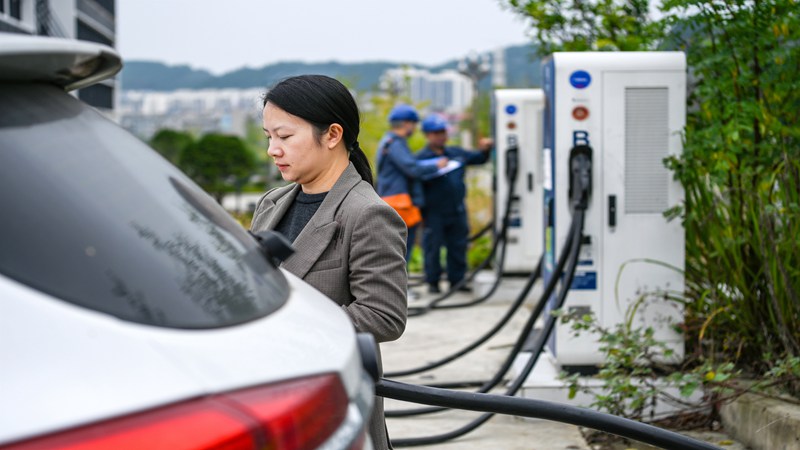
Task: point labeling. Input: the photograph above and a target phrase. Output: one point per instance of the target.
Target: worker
(444, 213)
(399, 173)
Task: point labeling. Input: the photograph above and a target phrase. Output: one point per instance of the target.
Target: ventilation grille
(646, 146)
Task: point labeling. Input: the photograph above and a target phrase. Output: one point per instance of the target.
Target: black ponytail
(361, 163)
(323, 101)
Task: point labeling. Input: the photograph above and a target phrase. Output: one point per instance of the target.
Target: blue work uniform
(399, 172)
(445, 215)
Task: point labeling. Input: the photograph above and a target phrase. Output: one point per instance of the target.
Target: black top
(298, 215)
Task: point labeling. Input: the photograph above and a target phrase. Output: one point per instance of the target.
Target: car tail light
(293, 415)
(298, 414)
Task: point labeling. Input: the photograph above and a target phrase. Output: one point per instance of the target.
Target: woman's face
(293, 146)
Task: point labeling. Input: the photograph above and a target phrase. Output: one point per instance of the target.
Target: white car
(134, 312)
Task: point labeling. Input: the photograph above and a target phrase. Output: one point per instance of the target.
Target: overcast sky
(224, 35)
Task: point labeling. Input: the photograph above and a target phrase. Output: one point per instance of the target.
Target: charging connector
(580, 176)
(512, 160)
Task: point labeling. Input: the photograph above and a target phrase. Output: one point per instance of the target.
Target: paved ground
(441, 332)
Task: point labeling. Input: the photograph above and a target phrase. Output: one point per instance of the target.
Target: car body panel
(123, 286)
(81, 366)
(68, 63)
(101, 220)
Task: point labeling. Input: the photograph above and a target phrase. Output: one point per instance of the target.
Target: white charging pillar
(518, 119)
(630, 108)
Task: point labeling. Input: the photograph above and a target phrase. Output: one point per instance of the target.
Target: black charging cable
(541, 340)
(482, 231)
(581, 169)
(499, 241)
(539, 409)
(526, 329)
(485, 337)
(512, 168)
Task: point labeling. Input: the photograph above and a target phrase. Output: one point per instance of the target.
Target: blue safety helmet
(403, 113)
(434, 122)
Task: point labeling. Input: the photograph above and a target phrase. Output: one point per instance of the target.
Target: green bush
(218, 163)
(416, 262)
(171, 143)
(740, 167)
(638, 370)
(479, 250)
(741, 172)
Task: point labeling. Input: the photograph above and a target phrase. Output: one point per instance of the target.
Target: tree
(741, 172)
(741, 162)
(375, 123)
(218, 163)
(580, 25)
(171, 143)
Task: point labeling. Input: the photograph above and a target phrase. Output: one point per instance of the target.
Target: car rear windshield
(93, 216)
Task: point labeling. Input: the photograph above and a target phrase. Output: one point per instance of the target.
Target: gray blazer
(352, 250)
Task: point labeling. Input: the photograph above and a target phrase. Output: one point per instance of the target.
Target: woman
(349, 244)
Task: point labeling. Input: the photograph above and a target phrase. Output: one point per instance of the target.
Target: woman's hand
(442, 162)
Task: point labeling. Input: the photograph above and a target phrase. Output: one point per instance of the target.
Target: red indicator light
(511, 125)
(580, 113)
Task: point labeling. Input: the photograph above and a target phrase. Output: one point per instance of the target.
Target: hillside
(522, 70)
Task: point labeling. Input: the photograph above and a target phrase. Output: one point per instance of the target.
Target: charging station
(626, 110)
(518, 121)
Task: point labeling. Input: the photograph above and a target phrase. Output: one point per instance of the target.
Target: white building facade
(202, 111)
(448, 91)
(86, 20)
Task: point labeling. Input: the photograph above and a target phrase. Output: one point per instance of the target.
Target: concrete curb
(763, 423)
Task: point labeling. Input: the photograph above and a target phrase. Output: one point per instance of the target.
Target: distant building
(201, 111)
(499, 68)
(17, 16)
(447, 91)
(86, 20)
